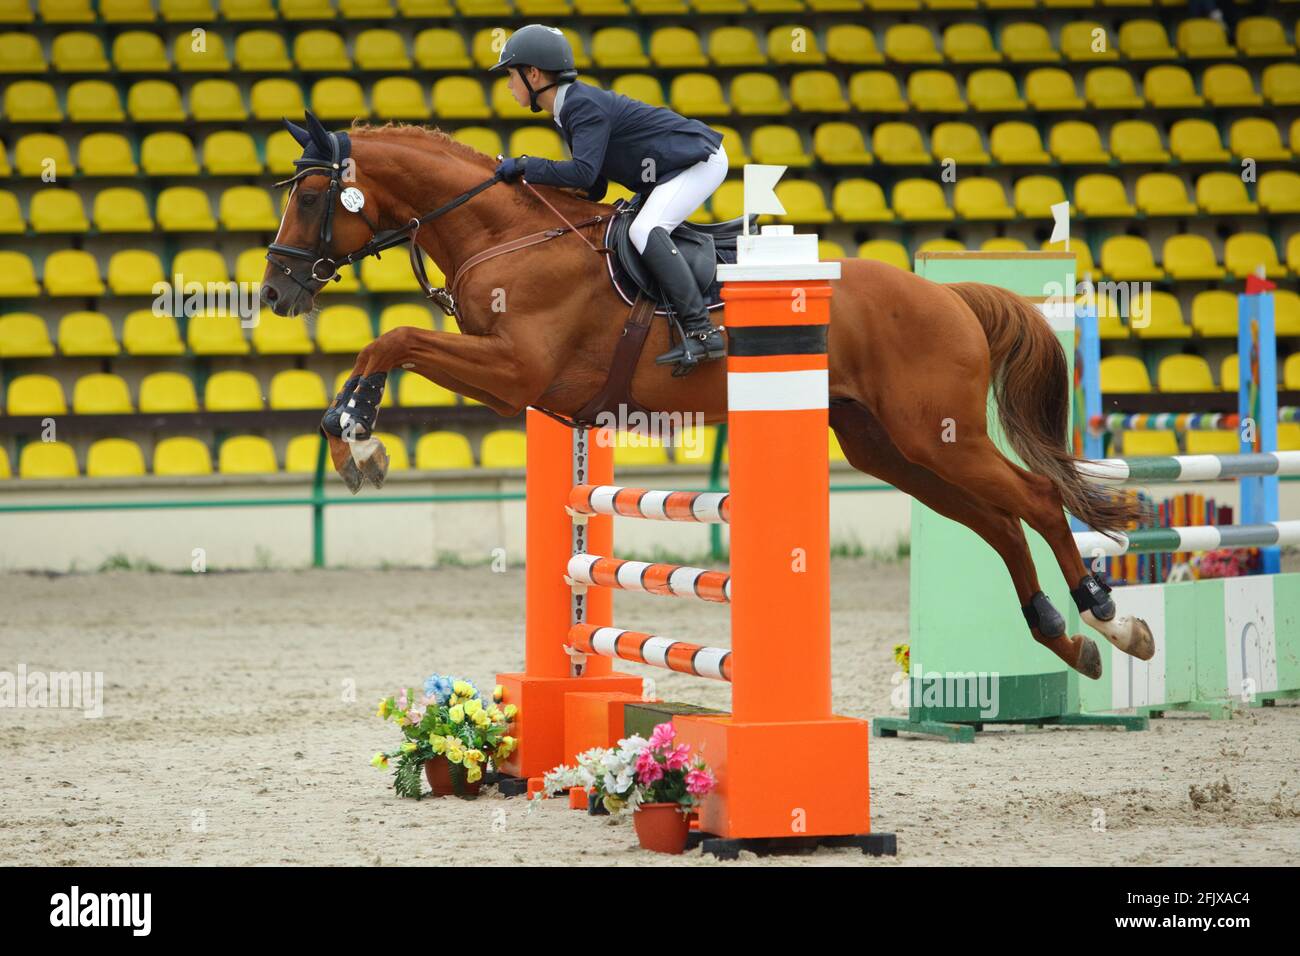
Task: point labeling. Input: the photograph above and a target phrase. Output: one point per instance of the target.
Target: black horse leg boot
(701, 342)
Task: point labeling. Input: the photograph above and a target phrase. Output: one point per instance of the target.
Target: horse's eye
(308, 199)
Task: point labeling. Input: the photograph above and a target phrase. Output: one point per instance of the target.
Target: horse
(540, 321)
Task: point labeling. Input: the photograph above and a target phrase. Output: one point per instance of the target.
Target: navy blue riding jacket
(611, 136)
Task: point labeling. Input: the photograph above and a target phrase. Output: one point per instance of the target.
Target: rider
(679, 161)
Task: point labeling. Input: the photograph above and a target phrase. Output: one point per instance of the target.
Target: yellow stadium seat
(348, 282)
(281, 150)
(140, 51)
(101, 394)
(246, 454)
(934, 91)
(1034, 196)
(114, 458)
(11, 216)
(1291, 371)
(852, 43)
(536, 141)
(1129, 257)
(503, 448)
(31, 101)
(1111, 87)
(1018, 143)
(443, 451)
(298, 389)
(184, 209)
(459, 97)
(57, 210)
(1163, 194)
(969, 43)
(1224, 193)
(1135, 444)
(144, 333)
(43, 154)
(189, 11)
(993, 91)
(1079, 42)
(365, 9)
(1137, 141)
(1214, 315)
(276, 98)
(202, 266)
(217, 100)
(677, 48)
(441, 49)
(735, 46)
(72, 272)
(248, 207)
(1003, 244)
(817, 91)
(793, 45)
(122, 209)
(1245, 252)
(1217, 442)
(1028, 43)
(751, 94)
(16, 11)
(399, 97)
(1263, 36)
(280, 334)
(1189, 257)
(1184, 373)
(35, 395)
(243, 11)
(17, 277)
(155, 101)
(697, 446)
(838, 144)
(920, 199)
(959, 142)
(1077, 142)
(181, 456)
(618, 48)
(47, 460)
(898, 144)
(828, 249)
(977, 197)
(1288, 436)
(414, 390)
(1170, 87)
(24, 335)
(1124, 373)
(21, 53)
(1281, 86)
(886, 250)
(134, 272)
(261, 51)
(1203, 38)
(405, 315)
(1145, 40)
(1293, 253)
(343, 328)
(640, 86)
(65, 11)
(876, 91)
(168, 154)
(389, 274)
(737, 155)
(167, 392)
(87, 333)
(780, 146)
(231, 153)
(911, 43)
(628, 455)
(94, 101)
(1228, 84)
(1158, 316)
(1050, 88)
(78, 51)
(232, 391)
(212, 333)
(1257, 139)
(504, 105)
(1196, 140)
(804, 201)
(5, 470)
(306, 9)
(1279, 191)
(250, 266)
(300, 454)
(106, 154)
(860, 200)
(320, 51)
(205, 53)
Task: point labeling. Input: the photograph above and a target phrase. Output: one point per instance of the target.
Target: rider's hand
(512, 168)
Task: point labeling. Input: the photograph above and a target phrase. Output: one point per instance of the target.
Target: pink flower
(699, 782)
(648, 770)
(402, 702)
(678, 757)
(662, 736)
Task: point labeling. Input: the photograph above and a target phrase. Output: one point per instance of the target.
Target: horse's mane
(423, 138)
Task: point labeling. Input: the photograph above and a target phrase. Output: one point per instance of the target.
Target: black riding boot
(702, 342)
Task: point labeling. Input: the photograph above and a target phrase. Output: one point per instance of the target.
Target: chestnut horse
(540, 325)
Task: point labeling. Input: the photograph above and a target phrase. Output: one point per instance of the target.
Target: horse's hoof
(1130, 634)
(351, 476)
(374, 468)
(1142, 644)
(1089, 663)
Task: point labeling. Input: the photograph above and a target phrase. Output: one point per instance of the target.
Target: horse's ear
(300, 135)
(319, 134)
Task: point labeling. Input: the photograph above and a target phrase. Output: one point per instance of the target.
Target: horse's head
(330, 213)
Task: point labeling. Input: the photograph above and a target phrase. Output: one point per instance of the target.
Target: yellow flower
(481, 720)
(456, 756)
(510, 711)
(473, 706)
(409, 747)
(475, 755)
(379, 760)
(456, 715)
(495, 714)
(382, 712)
(439, 744)
(506, 747)
(498, 693)
(463, 688)
(473, 774)
(612, 803)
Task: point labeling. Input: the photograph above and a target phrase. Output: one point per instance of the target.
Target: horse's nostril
(268, 294)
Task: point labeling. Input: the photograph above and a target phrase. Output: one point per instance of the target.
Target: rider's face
(517, 88)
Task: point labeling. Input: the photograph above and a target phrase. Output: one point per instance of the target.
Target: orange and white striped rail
(714, 662)
(707, 507)
(674, 580)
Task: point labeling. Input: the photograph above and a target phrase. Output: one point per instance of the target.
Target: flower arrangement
(1227, 563)
(903, 657)
(450, 722)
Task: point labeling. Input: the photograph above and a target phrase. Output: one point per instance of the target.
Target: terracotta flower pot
(448, 780)
(661, 827)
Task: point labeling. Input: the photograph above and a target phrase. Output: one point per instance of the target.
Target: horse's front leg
(481, 366)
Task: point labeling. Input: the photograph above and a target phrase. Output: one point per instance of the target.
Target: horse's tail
(1031, 384)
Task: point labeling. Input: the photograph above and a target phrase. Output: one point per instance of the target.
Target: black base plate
(872, 844)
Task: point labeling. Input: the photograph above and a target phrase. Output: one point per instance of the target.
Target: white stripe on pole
(629, 575)
(778, 391)
(708, 662)
(1199, 467)
(655, 651)
(602, 498)
(652, 504)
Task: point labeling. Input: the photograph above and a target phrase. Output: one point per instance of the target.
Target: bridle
(378, 242)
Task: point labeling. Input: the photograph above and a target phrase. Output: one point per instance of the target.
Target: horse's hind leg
(869, 448)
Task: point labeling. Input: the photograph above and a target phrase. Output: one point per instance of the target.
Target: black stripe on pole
(777, 340)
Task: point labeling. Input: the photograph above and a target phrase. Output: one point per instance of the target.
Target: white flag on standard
(1061, 223)
(760, 191)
